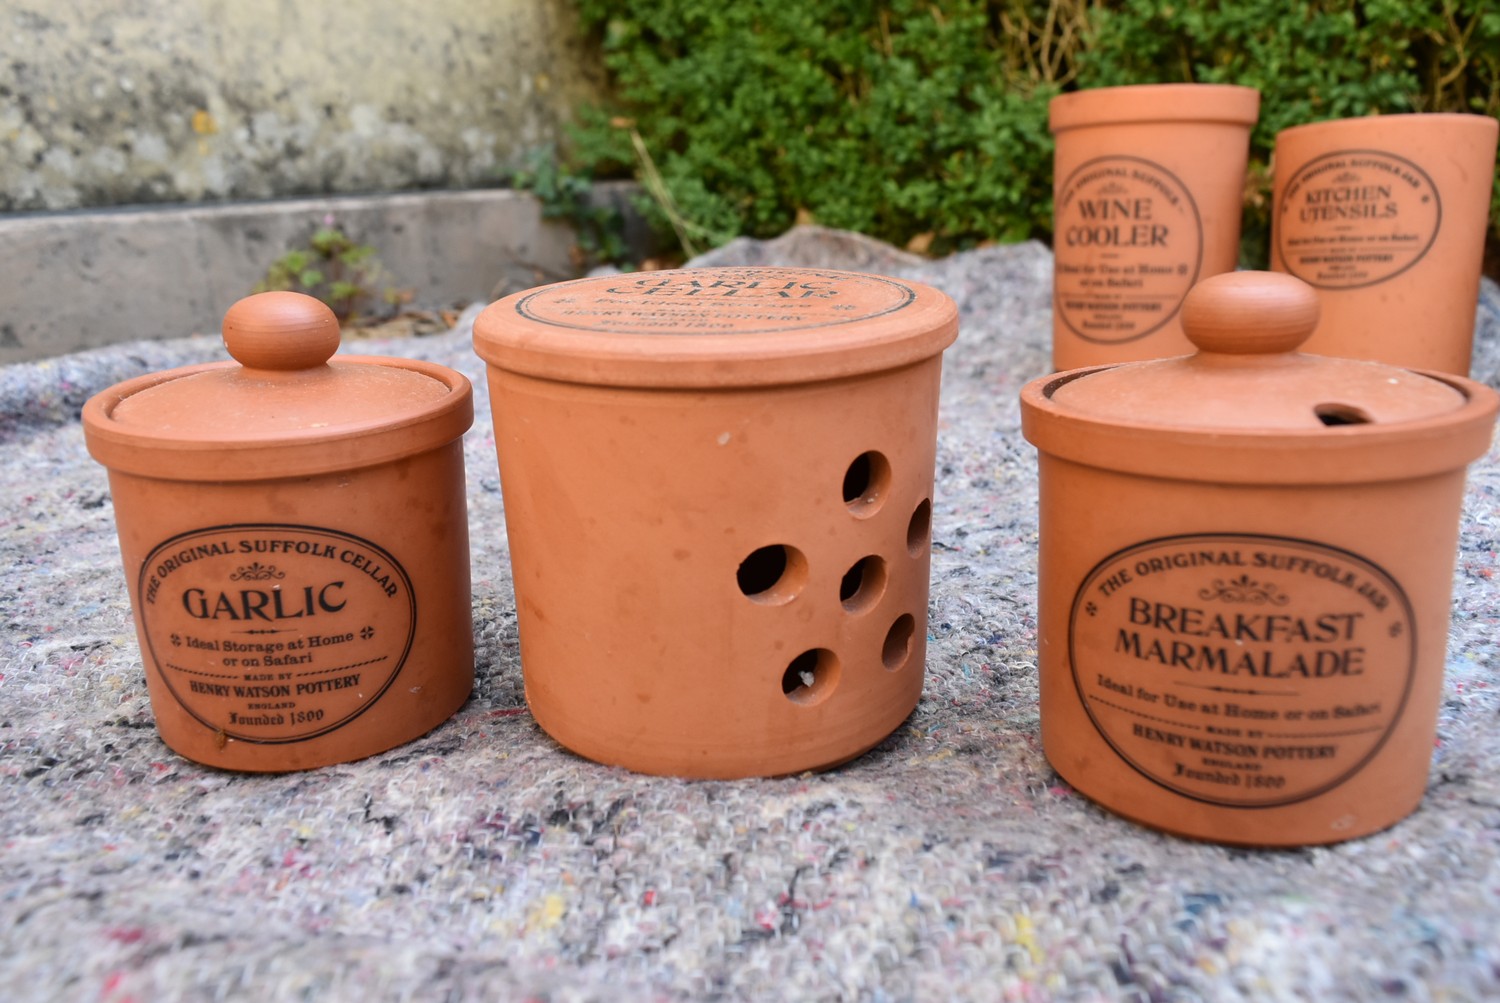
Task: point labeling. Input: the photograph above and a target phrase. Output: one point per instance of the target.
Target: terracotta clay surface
(1246, 566)
(295, 543)
(718, 494)
(1148, 187)
(1386, 216)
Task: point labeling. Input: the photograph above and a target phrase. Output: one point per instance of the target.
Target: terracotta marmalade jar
(718, 494)
(295, 540)
(1148, 190)
(1246, 568)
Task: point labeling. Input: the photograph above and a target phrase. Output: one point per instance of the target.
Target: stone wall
(117, 102)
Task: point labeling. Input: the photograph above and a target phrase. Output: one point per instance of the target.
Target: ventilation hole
(865, 483)
(863, 584)
(773, 574)
(762, 570)
(1341, 414)
(898, 641)
(811, 676)
(919, 530)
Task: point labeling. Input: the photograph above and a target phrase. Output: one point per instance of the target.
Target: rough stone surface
(81, 280)
(114, 102)
(484, 862)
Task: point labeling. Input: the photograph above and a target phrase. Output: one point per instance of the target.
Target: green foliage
(894, 119)
(568, 195)
(1310, 59)
(336, 269)
(925, 123)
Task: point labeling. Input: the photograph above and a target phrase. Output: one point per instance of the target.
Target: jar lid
(716, 327)
(1249, 407)
(1154, 103)
(285, 407)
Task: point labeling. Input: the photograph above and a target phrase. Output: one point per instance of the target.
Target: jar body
(722, 582)
(1249, 664)
(1144, 208)
(296, 622)
(1385, 216)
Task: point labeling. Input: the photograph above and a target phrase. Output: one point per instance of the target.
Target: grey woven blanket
(485, 862)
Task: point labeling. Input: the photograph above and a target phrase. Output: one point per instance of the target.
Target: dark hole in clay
(857, 478)
(918, 528)
(1341, 414)
(762, 570)
(865, 483)
(898, 641)
(801, 674)
(863, 584)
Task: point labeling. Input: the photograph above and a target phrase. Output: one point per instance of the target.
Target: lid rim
(1395, 451)
(1248, 372)
(764, 365)
(1230, 104)
(144, 452)
(1419, 119)
(708, 354)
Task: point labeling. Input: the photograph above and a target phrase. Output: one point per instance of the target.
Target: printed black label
(275, 633)
(1128, 245)
(1356, 218)
(733, 301)
(1240, 669)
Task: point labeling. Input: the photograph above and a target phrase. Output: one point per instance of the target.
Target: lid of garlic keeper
(287, 406)
(705, 328)
(1248, 407)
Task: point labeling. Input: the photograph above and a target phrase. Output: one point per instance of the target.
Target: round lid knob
(290, 407)
(1250, 313)
(281, 331)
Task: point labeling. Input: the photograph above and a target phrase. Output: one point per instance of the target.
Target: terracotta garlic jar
(1149, 187)
(1386, 216)
(718, 496)
(1246, 569)
(295, 539)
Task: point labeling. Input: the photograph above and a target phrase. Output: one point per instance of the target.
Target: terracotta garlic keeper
(295, 540)
(1246, 569)
(1386, 216)
(1149, 185)
(718, 495)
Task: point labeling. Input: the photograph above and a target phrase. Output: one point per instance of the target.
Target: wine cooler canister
(1148, 188)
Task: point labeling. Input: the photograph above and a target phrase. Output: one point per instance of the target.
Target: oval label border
(723, 302)
(1151, 730)
(1188, 264)
(148, 584)
(1418, 179)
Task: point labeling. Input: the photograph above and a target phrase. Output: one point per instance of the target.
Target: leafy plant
(570, 195)
(924, 122)
(1311, 60)
(338, 270)
(894, 119)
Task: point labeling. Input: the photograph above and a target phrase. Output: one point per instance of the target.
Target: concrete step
(75, 280)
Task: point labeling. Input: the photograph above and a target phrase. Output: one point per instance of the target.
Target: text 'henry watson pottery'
(1386, 215)
(295, 540)
(718, 494)
(1246, 568)
(1148, 188)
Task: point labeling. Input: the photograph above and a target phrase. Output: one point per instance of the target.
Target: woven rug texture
(484, 862)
